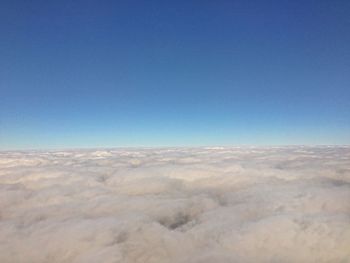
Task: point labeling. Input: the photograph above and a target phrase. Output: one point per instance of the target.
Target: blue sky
(173, 73)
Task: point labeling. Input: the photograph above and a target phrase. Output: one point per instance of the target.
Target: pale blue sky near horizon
(173, 73)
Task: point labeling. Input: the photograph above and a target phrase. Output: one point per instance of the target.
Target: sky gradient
(173, 73)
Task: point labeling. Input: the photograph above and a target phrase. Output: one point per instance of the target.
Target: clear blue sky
(170, 73)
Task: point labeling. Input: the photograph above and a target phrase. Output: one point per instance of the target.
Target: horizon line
(39, 149)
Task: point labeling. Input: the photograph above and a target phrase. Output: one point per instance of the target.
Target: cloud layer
(279, 204)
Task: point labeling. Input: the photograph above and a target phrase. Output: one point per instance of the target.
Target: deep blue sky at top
(158, 73)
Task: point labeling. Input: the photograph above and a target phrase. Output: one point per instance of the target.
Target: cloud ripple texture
(176, 205)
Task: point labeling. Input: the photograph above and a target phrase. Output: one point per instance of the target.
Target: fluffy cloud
(279, 204)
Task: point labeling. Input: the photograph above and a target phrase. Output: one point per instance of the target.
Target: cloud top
(176, 205)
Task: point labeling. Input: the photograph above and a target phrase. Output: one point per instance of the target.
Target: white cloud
(280, 204)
